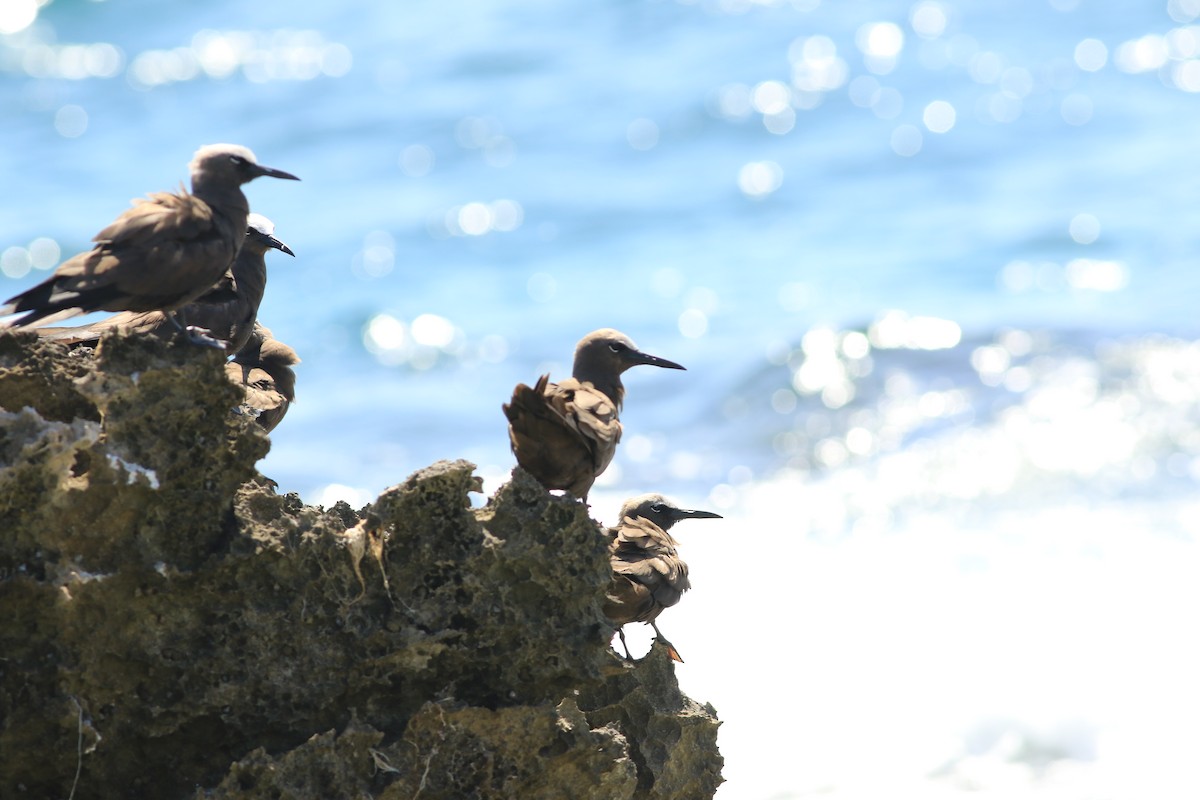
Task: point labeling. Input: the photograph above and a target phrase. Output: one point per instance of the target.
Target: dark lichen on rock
(174, 627)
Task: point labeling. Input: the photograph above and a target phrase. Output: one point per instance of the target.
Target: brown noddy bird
(227, 311)
(648, 574)
(565, 434)
(164, 252)
(263, 368)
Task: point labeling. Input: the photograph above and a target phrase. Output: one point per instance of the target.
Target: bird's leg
(194, 334)
(621, 633)
(671, 651)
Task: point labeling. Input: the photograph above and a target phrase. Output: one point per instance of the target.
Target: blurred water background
(930, 265)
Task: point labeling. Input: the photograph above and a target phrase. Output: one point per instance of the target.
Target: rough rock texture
(173, 627)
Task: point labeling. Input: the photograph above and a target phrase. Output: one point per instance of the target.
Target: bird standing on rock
(263, 368)
(227, 311)
(565, 434)
(648, 574)
(162, 253)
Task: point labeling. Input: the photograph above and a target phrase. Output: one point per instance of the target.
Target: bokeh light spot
(44, 252)
(693, 323)
(928, 19)
(1076, 109)
(880, 39)
(906, 140)
(416, 160)
(71, 121)
(760, 178)
(939, 116)
(475, 219)
(1091, 55)
(17, 15)
(15, 262)
(1084, 228)
(432, 330)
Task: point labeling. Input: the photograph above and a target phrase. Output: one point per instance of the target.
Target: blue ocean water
(930, 266)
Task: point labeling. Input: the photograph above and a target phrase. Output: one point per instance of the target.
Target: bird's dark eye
(657, 508)
(616, 347)
(238, 160)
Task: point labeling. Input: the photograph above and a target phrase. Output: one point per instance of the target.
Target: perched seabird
(227, 311)
(263, 368)
(162, 253)
(565, 434)
(648, 574)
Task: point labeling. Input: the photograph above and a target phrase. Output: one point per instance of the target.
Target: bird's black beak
(271, 172)
(686, 513)
(280, 246)
(654, 361)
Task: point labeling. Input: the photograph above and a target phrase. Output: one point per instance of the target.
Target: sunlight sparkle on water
(928, 19)
(417, 160)
(377, 257)
(17, 15)
(760, 178)
(15, 262)
(1076, 109)
(897, 329)
(816, 66)
(478, 218)
(1097, 274)
(1184, 42)
(386, 338)
(1091, 55)
(771, 97)
(433, 331)
(733, 102)
(289, 55)
(939, 116)
(880, 43)
(1183, 10)
(1186, 75)
(424, 342)
(45, 252)
(693, 323)
(1142, 55)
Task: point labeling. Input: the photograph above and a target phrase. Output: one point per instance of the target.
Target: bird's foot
(672, 653)
(200, 336)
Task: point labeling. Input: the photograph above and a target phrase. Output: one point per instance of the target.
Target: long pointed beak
(271, 172)
(655, 361)
(280, 246)
(686, 513)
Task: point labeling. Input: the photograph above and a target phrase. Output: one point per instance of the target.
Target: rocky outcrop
(174, 627)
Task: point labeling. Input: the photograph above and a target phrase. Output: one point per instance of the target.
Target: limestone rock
(173, 627)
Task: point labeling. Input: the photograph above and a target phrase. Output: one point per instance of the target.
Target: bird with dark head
(227, 311)
(565, 434)
(164, 252)
(648, 574)
(263, 368)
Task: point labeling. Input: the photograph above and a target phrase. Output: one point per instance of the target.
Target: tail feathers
(530, 401)
(44, 304)
(545, 445)
(82, 334)
(45, 316)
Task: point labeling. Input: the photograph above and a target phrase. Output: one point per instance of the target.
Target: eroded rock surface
(173, 627)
